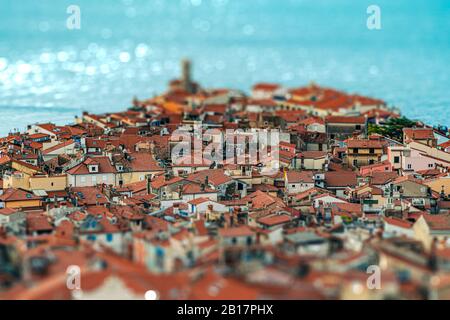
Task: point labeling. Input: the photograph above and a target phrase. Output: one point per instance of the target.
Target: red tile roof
(211, 286)
(17, 195)
(95, 143)
(192, 161)
(196, 188)
(418, 133)
(336, 103)
(58, 146)
(89, 195)
(242, 231)
(438, 222)
(299, 176)
(312, 120)
(365, 143)
(198, 201)
(398, 222)
(7, 211)
(104, 163)
(274, 220)
(380, 178)
(346, 120)
(261, 200)
(352, 208)
(38, 223)
(445, 145)
(215, 176)
(262, 102)
(38, 135)
(216, 108)
(340, 178)
(266, 86)
(160, 181)
(143, 162)
(312, 154)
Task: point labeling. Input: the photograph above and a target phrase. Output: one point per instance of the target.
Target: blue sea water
(133, 47)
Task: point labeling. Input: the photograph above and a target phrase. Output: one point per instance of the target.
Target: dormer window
(93, 168)
(92, 165)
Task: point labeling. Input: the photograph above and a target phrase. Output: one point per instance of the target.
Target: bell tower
(186, 76)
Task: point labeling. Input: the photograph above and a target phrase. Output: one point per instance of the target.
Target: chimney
(2, 232)
(149, 181)
(206, 181)
(327, 213)
(404, 211)
(180, 191)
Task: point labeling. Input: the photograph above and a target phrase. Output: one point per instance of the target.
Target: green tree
(393, 128)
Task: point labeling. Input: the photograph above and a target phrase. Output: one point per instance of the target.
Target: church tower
(186, 81)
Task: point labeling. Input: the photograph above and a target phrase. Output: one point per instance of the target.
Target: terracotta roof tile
(242, 231)
(105, 166)
(275, 220)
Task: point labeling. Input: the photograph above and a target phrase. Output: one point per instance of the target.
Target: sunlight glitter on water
(118, 55)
